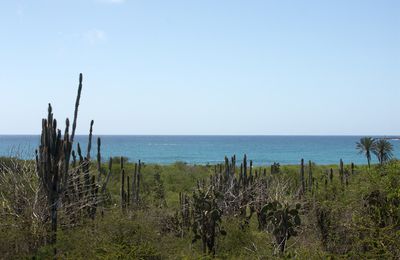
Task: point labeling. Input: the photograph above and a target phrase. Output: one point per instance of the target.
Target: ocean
(209, 149)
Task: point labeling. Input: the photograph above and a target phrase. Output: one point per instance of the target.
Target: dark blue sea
(210, 149)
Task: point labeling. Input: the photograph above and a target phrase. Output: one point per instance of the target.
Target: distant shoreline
(255, 166)
(396, 138)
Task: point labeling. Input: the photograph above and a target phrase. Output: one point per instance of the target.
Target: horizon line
(389, 135)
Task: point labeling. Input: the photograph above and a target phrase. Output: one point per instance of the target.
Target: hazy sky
(202, 67)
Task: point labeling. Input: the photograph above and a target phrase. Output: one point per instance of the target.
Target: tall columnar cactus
(326, 177)
(52, 164)
(310, 176)
(73, 159)
(61, 181)
(233, 164)
(89, 147)
(138, 176)
(78, 98)
(341, 171)
(128, 193)
(227, 169)
(80, 170)
(134, 186)
(245, 170)
(123, 193)
(134, 181)
(302, 180)
(251, 172)
(241, 175)
(99, 159)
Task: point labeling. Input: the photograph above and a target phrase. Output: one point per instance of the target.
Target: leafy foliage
(383, 150)
(366, 146)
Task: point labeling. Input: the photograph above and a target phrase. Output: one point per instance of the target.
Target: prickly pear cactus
(207, 217)
(275, 168)
(282, 221)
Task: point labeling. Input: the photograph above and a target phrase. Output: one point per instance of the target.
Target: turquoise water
(211, 149)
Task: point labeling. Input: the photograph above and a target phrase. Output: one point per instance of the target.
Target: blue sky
(203, 67)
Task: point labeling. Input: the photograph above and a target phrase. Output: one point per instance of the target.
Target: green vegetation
(383, 151)
(381, 148)
(358, 220)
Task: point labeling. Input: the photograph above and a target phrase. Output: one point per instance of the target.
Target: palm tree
(366, 146)
(383, 150)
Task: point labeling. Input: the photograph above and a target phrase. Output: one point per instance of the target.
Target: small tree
(383, 150)
(366, 146)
